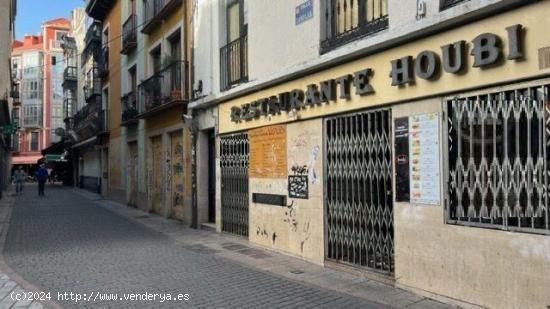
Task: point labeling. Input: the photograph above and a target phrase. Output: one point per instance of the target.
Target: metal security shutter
(498, 160)
(234, 162)
(359, 190)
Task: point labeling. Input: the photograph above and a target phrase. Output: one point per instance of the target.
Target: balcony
(445, 4)
(163, 90)
(68, 105)
(92, 42)
(349, 20)
(98, 9)
(70, 76)
(234, 63)
(129, 107)
(92, 84)
(103, 63)
(15, 93)
(129, 35)
(32, 117)
(156, 11)
(89, 120)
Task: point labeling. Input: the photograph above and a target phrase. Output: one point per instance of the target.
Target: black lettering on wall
(296, 99)
(362, 82)
(401, 71)
(328, 91)
(486, 50)
(515, 43)
(453, 57)
(284, 101)
(255, 109)
(344, 83)
(263, 106)
(235, 114)
(312, 95)
(426, 65)
(274, 106)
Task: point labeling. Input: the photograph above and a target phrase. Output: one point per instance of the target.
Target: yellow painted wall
(533, 17)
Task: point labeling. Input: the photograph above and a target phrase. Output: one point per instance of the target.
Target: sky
(31, 13)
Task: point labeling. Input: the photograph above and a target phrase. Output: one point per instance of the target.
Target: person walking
(19, 178)
(41, 176)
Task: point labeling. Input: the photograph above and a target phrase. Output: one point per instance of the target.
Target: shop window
(499, 152)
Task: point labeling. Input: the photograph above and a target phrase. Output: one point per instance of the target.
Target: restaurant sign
(487, 51)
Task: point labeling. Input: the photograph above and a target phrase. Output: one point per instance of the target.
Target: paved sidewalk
(9, 288)
(240, 250)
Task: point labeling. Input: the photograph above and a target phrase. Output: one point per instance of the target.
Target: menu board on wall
(424, 158)
(268, 157)
(402, 160)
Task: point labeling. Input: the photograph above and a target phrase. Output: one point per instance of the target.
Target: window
(236, 25)
(34, 141)
(445, 4)
(234, 55)
(132, 79)
(498, 160)
(155, 59)
(60, 35)
(348, 20)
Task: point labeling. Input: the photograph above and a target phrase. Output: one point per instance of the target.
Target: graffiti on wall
(298, 182)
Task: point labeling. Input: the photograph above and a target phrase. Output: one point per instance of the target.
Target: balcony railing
(156, 11)
(88, 121)
(92, 84)
(129, 34)
(164, 89)
(103, 63)
(70, 74)
(234, 63)
(445, 4)
(92, 42)
(98, 8)
(348, 20)
(129, 106)
(15, 93)
(68, 105)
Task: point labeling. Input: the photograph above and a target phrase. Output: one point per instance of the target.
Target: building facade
(8, 10)
(403, 140)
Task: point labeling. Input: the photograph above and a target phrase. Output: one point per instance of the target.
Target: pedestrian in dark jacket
(41, 176)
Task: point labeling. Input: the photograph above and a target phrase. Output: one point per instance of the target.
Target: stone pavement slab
(67, 242)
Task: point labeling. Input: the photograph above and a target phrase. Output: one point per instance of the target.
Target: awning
(25, 159)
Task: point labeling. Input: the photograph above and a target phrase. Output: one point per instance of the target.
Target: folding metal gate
(234, 158)
(359, 206)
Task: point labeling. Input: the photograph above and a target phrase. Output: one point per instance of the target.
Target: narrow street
(67, 243)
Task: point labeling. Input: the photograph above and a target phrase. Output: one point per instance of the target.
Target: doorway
(358, 188)
(211, 176)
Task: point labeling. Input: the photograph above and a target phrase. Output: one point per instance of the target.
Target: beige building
(408, 144)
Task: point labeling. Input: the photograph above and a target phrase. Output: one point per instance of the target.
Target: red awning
(25, 159)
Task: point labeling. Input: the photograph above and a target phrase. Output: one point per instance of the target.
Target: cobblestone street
(66, 243)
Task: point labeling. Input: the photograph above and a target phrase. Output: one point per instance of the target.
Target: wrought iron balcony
(348, 20)
(165, 89)
(15, 93)
(129, 34)
(70, 75)
(445, 4)
(92, 84)
(103, 63)
(234, 63)
(129, 107)
(98, 9)
(69, 123)
(89, 120)
(156, 11)
(92, 42)
(68, 104)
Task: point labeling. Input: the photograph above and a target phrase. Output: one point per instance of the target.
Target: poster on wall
(402, 162)
(268, 157)
(424, 158)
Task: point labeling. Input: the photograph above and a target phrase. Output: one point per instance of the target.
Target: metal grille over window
(498, 154)
(359, 196)
(234, 162)
(347, 20)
